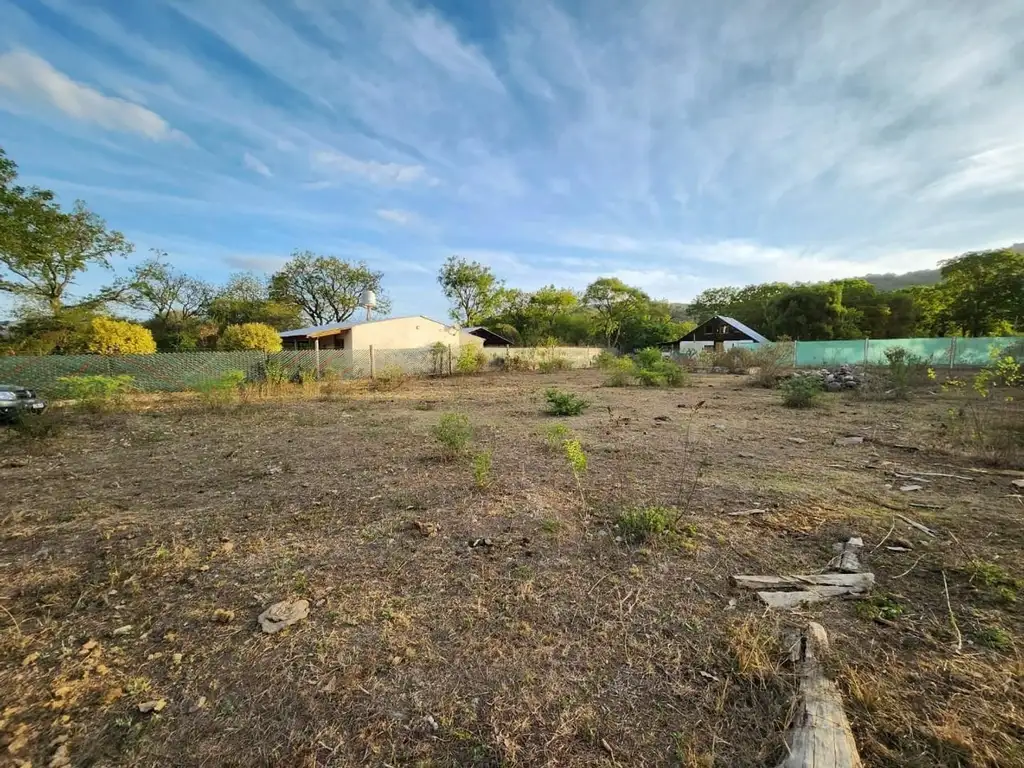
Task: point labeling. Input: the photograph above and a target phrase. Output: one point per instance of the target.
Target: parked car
(16, 401)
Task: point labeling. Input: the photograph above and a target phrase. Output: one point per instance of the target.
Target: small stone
(152, 706)
(200, 703)
(833, 386)
(122, 630)
(718, 426)
(88, 646)
(203, 568)
(797, 440)
(176, 658)
(1018, 483)
(853, 440)
(61, 758)
(662, 418)
(223, 616)
(283, 614)
(909, 488)
(227, 547)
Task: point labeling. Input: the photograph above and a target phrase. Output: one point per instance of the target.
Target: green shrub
(640, 524)
(622, 371)
(107, 336)
(904, 371)
(221, 391)
(879, 606)
(565, 403)
(650, 357)
(439, 358)
(96, 393)
(453, 432)
(734, 359)
(513, 362)
(388, 379)
(801, 391)
(575, 455)
(272, 373)
(606, 360)
(470, 360)
(552, 364)
(482, 468)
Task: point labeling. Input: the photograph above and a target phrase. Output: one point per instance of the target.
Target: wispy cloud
(31, 79)
(371, 170)
(675, 145)
(397, 216)
(253, 163)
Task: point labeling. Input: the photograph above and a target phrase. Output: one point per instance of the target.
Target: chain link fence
(182, 371)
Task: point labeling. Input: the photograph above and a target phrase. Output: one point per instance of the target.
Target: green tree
(984, 290)
(807, 312)
(176, 302)
(245, 298)
(44, 250)
(472, 289)
(612, 302)
(326, 288)
(258, 336)
(713, 301)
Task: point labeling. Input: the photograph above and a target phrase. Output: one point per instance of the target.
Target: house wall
(467, 339)
(401, 333)
(698, 346)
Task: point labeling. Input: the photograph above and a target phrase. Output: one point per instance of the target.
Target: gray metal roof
(343, 326)
(745, 329)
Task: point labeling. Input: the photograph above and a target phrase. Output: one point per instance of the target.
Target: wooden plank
(849, 555)
(788, 600)
(819, 733)
(915, 524)
(861, 582)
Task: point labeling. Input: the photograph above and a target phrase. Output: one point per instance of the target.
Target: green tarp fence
(953, 352)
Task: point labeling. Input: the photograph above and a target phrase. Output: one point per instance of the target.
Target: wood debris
(849, 555)
(914, 524)
(819, 733)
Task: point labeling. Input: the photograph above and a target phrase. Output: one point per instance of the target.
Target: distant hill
(892, 281)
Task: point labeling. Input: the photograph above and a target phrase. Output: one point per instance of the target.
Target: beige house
(413, 332)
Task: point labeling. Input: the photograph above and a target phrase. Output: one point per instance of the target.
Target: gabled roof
(485, 333)
(744, 328)
(332, 328)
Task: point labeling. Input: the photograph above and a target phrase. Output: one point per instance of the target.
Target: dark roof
(745, 329)
(732, 322)
(331, 328)
(488, 335)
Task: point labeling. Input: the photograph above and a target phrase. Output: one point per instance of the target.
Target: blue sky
(677, 145)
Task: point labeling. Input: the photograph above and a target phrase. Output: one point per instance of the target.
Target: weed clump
(565, 403)
(97, 393)
(389, 379)
(640, 524)
(482, 463)
(556, 435)
(470, 360)
(801, 391)
(453, 432)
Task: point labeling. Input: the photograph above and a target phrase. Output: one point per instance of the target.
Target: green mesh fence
(952, 352)
(181, 371)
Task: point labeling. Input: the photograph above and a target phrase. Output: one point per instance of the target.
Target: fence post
(372, 371)
(316, 348)
(952, 353)
(866, 351)
(449, 359)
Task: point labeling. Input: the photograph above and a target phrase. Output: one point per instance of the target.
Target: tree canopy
(44, 249)
(327, 289)
(471, 288)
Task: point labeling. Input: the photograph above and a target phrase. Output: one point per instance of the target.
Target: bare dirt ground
(137, 550)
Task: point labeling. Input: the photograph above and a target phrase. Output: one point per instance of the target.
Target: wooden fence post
(316, 349)
(372, 371)
(952, 353)
(449, 359)
(866, 350)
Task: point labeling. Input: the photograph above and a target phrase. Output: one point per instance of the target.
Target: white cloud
(377, 173)
(397, 216)
(253, 163)
(32, 79)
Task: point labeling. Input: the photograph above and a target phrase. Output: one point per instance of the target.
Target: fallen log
(819, 733)
(859, 582)
(794, 599)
